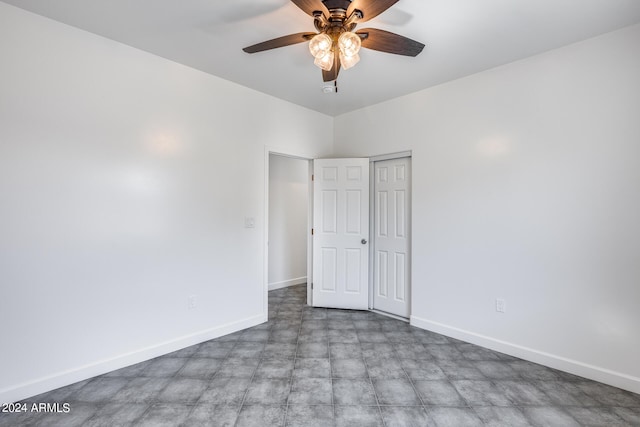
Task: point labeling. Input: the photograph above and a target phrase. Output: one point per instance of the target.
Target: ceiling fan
(336, 43)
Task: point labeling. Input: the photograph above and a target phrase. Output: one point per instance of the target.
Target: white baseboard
(60, 379)
(287, 283)
(606, 376)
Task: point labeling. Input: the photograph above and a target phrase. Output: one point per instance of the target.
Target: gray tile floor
(320, 367)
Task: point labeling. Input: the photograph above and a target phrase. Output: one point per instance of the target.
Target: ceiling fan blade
(384, 41)
(370, 8)
(279, 42)
(310, 6)
(332, 74)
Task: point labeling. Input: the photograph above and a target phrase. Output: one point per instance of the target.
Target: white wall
(288, 215)
(124, 183)
(525, 186)
(125, 180)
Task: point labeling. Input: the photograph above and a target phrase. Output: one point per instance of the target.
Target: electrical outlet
(191, 302)
(501, 305)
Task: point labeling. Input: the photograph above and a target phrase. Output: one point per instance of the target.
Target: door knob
(363, 241)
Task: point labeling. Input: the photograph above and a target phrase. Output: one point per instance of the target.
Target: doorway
(288, 208)
(289, 241)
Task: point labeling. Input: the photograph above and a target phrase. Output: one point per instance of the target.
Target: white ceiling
(462, 37)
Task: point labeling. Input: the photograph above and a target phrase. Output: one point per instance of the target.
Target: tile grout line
(415, 390)
(253, 375)
(153, 401)
(333, 402)
(208, 380)
(375, 393)
(293, 370)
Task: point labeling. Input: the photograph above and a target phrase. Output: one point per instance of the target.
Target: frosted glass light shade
(320, 45)
(325, 62)
(349, 61)
(349, 44)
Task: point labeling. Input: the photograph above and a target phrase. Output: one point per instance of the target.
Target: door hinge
(313, 177)
(311, 285)
(312, 231)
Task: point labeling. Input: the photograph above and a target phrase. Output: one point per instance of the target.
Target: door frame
(372, 234)
(309, 159)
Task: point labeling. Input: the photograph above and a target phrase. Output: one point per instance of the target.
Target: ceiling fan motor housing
(337, 22)
(337, 4)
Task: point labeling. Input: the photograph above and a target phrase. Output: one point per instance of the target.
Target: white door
(341, 233)
(391, 264)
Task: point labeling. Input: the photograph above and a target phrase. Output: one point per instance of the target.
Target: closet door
(392, 257)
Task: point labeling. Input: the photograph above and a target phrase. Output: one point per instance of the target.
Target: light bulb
(325, 62)
(349, 44)
(349, 61)
(320, 45)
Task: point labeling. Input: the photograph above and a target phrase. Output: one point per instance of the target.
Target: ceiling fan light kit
(320, 45)
(325, 61)
(349, 61)
(349, 44)
(336, 44)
